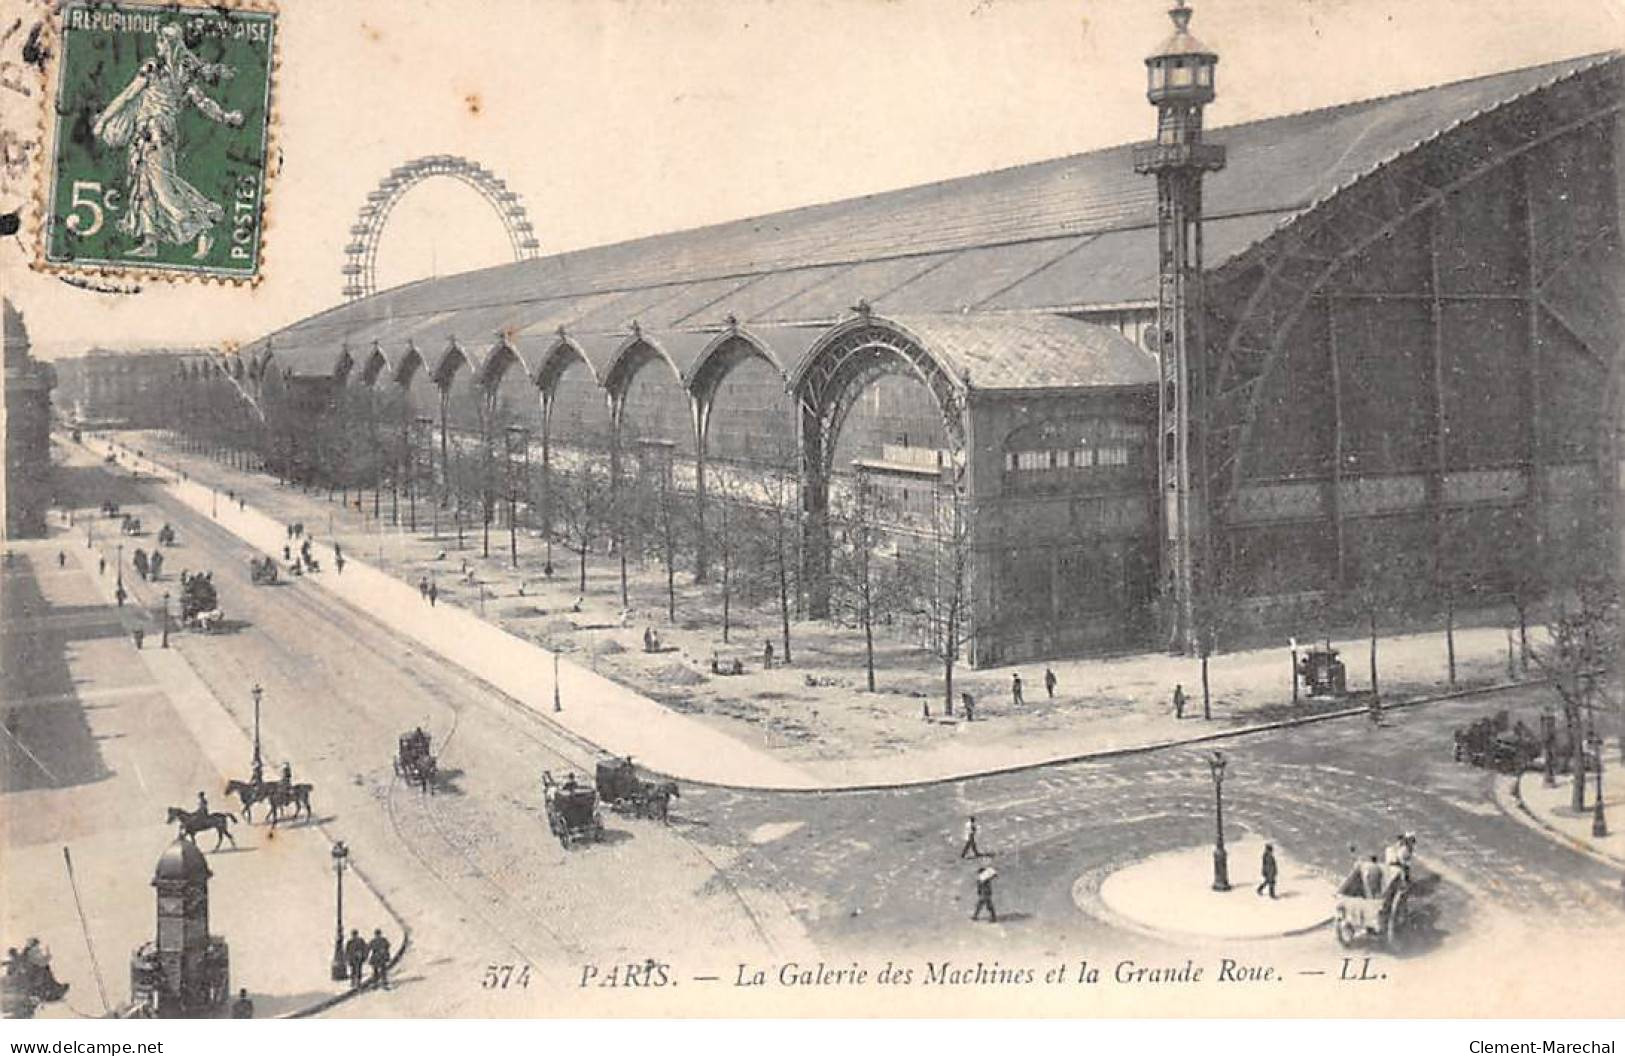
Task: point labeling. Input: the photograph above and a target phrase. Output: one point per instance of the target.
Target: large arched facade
(1418, 391)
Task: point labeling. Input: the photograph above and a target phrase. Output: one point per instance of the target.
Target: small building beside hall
(1407, 381)
(26, 489)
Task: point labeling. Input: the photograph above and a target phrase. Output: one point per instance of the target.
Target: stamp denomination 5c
(160, 139)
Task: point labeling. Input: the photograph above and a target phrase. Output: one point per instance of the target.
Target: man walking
(970, 706)
(423, 587)
(1015, 688)
(970, 850)
(101, 566)
(378, 950)
(1179, 700)
(434, 594)
(767, 655)
(1269, 869)
(984, 894)
(243, 1007)
(355, 955)
(1049, 682)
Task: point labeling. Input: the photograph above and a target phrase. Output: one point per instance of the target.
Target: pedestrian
(338, 563)
(1049, 682)
(1015, 687)
(242, 1008)
(119, 595)
(242, 503)
(970, 706)
(355, 955)
(423, 588)
(1179, 701)
(767, 655)
(1371, 877)
(1269, 869)
(101, 566)
(970, 850)
(140, 636)
(984, 894)
(434, 594)
(61, 559)
(378, 951)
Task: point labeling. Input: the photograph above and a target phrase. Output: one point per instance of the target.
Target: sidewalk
(271, 896)
(798, 727)
(1550, 811)
(593, 707)
(1172, 894)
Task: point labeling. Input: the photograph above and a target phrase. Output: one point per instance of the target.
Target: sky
(620, 118)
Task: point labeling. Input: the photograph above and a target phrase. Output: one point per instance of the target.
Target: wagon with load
(620, 787)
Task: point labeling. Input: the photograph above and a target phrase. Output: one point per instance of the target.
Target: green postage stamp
(162, 126)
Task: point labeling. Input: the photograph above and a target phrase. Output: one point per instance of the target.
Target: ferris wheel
(361, 254)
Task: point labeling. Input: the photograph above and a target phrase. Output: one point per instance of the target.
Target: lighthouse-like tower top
(1181, 69)
(1179, 83)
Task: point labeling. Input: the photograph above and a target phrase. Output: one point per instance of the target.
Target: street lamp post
(259, 763)
(1599, 820)
(1221, 864)
(341, 855)
(119, 573)
(557, 706)
(1548, 741)
(166, 620)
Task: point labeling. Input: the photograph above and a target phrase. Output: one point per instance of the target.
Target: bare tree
(1580, 661)
(862, 589)
(581, 501)
(775, 552)
(734, 524)
(935, 569)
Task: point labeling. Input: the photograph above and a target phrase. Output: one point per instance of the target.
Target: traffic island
(1171, 895)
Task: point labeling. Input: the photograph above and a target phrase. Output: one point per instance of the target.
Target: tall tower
(1180, 84)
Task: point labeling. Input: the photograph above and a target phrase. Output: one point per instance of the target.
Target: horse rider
(287, 779)
(257, 774)
(202, 805)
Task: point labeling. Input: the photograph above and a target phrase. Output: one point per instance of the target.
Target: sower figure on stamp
(144, 117)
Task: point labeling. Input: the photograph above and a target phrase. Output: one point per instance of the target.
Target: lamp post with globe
(341, 856)
(1221, 865)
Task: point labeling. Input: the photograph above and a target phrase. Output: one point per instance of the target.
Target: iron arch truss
(361, 254)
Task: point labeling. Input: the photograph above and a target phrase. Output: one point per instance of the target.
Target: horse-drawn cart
(414, 761)
(572, 811)
(1384, 903)
(620, 787)
(262, 572)
(200, 602)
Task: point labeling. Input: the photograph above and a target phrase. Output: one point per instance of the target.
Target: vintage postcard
(939, 508)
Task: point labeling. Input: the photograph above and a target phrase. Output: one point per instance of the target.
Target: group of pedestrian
(984, 875)
(359, 953)
(1050, 682)
(428, 590)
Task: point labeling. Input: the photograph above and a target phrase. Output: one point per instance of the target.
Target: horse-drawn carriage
(572, 811)
(1495, 743)
(625, 792)
(414, 761)
(262, 571)
(130, 525)
(166, 536)
(109, 508)
(200, 603)
(1385, 903)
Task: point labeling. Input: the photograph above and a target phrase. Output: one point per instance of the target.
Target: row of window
(1106, 455)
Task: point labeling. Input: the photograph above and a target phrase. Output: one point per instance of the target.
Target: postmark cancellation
(159, 128)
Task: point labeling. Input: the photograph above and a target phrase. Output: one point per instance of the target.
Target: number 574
(502, 976)
(85, 193)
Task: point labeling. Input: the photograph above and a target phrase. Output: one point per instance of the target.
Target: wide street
(763, 879)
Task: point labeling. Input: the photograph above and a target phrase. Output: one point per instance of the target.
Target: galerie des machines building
(1258, 370)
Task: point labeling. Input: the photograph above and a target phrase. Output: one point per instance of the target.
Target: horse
(192, 823)
(296, 795)
(657, 797)
(250, 793)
